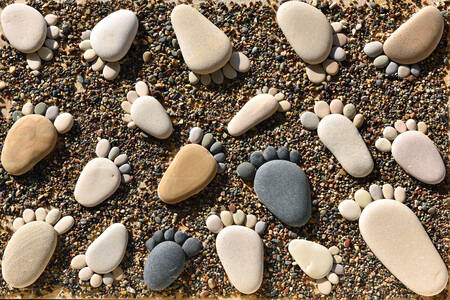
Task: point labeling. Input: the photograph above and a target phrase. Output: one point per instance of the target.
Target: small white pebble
(383, 145)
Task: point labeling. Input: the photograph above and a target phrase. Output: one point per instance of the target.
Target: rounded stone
(246, 171)
(270, 153)
(383, 145)
(362, 197)
(96, 280)
(240, 62)
(403, 71)
(214, 224)
(78, 262)
(257, 159)
(314, 259)
(103, 147)
(350, 210)
(390, 133)
(349, 111)
(381, 61)
(150, 116)
(338, 54)
(321, 109)
(411, 124)
(111, 71)
(226, 217)
(27, 109)
(375, 192)
(399, 194)
(324, 286)
(63, 122)
(391, 68)
(40, 108)
(358, 121)
(52, 113)
(373, 49)
(85, 274)
(309, 120)
(316, 74)
(336, 106)
(330, 66)
(195, 135)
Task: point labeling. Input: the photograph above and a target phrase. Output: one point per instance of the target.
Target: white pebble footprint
(413, 150)
(340, 135)
(101, 177)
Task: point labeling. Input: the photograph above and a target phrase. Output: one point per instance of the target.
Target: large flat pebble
(149, 115)
(314, 259)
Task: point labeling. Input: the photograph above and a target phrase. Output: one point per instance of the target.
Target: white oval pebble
(350, 210)
(64, 224)
(324, 286)
(45, 53)
(85, 45)
(51, 19)
(321, 108)
(240, 62)
(336, 106)
(226, 217)
(333, 278)
(28, 108)
(411, 124)
(141, 88)
(383, 145)
(388, 191)
(214, 224)
(63, 122)
(89, 55)
(98, 65)
(400, 126)
(34, 61)
(40, 214)
(111, 71)
(96, 280)
(309, 120)
(78, 262)
(28, 215)
(52, 32)
(53, 216)
(108, 279)
(399, 194)
(390, 133)
(362, 197)
(85, 274)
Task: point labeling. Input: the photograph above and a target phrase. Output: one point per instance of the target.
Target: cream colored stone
(314, 259)
(150, 116)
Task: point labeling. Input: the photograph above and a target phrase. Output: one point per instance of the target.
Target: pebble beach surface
(155, 58)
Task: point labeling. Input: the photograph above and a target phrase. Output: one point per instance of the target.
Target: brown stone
(191, 171)
(29, 140)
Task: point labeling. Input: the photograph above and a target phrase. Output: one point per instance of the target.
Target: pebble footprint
(397, 238)
(413, 150)
(280, 184)
(31, 33)
(33, 136)
(168, 253)
(101, 262)
(240, 248)
(256, 110)
(193, 168)
(146, 112)
(109, 42)
(101, 177)
(340, 135)
(31, 247)
(206, 50)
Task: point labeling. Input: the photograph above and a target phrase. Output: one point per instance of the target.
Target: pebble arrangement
(391, 230)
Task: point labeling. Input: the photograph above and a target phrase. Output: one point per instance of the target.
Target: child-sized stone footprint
(168, 254)
(413, 150)
(32, 245)
(397, 238)
(256, 110)
(101, 262)
(240, 248)
(280, 184)
(206, 49)
(101, 176)
(28, 31)
(110, 41)
(192, 169)
(146, 112)
(340, 135)
(33, 136)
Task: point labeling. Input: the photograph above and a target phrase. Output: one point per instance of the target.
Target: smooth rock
(52, 113)
(270, 153)
(400, 194)
(330, 66)
(78, 262)
(307, 30)
(51, 19)
(217, 77)
(321, 109)
(51, 44)
(205, 79)
(240, 62)
(52, 32)
(246, 171)
(96, 280)
(205, 48)
(316, 73)
(388, 191)
(226, 217)
(85, 274)
(390, 133)
(45, 53)
(27, 109)
(417, 38)
(64, 224)
(241, 253)
(400, 126)
(373, 49)
(239, 217)
(33, 61)
(99, 179)
(53, 216)
(342, 138)
(193, 78)
(192, 247)
(63, 123)
(250, 221)
(397, 238)
(112, 37)
(419, 157)
(28, 215)
(111, 71)
(350, 210)
(314, 259)
(337, 26)
(102, 148)
(229, 72)
(208, 140)
(309, 120)
(415, 70)
(107, 251)
(195, 135)
(338, 54)
(391, 68)
(108, 279)
(214, 224)
(339, 39)
(336, 106)
(190, 172)
(260, 226)
(375, 192)
(381, 61)
(403, 71)
(150, 116)
(362, 197)
(383, 145)
(98, 65)
(284, 188)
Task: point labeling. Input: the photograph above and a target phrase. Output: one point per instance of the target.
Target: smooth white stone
(149, 115)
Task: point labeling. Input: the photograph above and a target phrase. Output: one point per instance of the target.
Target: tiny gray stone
(121, 159)
(150, 244)
(216, 148)
(169, 234)
(294, 156)
(283, 153)
(125, 168)
(220, 157)
(373, 49)
(381, 61)
(391, 68)
(207, 140)
(338, 269)
(270, 153)
(192, 247)
(40, 108)
(195, 135)
(158, 236)
(338, 54)
(404, 71)
(52, 112)
(246, 171)
(180, 237)
(415, 70)
(257, 159)
(221, 167)
(17, 115)
(260, 227)
(113, 153)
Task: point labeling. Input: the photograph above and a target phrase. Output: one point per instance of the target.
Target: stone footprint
(206, 50)
(193, 168)
(315, 41)
(101, 177)
(280, 184)
(397, 238)
(146, 112)
(256, 110)
(413, 150)
(340, 135)
(109, 42)
(101, 262)
(240, 248)
(31, 33)
(31, 247)
(168, 253)
(33, 136)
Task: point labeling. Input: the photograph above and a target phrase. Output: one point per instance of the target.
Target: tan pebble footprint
(31, 33)
(397, 238)
(240, 248)
(109, 42)
(256, 110)
(413, 150)
(340, 135)
(32, 245)
(101, 176)
(33, 136)
(193, 168)
(101, 262)
(146, 112)
(206, 50)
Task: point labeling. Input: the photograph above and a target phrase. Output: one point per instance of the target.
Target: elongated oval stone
(149, 115)
(24, 27)
(241, 253)
(314, 259)
(205, 48)
(256, 110)
(283, 187)
(191, 171)
(107, 251)
(28, 253)
(307, 30)
(419, 157)
(29, 140)
(342, 138)
(99, 179)
(112, 37)
(417, 38)
(397, 238)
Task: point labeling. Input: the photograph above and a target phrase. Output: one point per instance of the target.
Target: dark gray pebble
(270, 153)
(216, 148)
(207, 140)
(257, 159)
(158, 236)
(180, 237)
(192, 247)
(169, 234)
(246, 171)
(283, 153)
(220, 157)
(295, 156)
